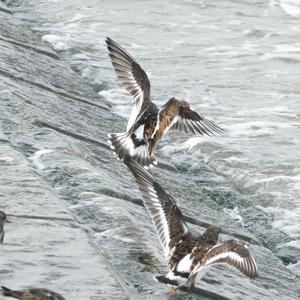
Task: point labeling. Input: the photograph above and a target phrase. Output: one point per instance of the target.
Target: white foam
(257, 128)
(36, 158)
(261, 111)
(235, 214)
(294, 268)
(56, 42)
(6, 160)
(293, 47)
(285, 219)
(120, 100)
(136, 46)
(76, 17)
(295, 244)
(291, 7)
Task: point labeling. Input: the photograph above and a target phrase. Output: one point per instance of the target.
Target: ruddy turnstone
(32, 294)
(147, 124)
(3, 220)
(187, 255)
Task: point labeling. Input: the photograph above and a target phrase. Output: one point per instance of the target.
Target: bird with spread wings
(147, 124)
(186, 254)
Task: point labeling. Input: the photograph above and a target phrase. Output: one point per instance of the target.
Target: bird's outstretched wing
(177, 115)
(162, 208)
(234, 253)
(133, 77)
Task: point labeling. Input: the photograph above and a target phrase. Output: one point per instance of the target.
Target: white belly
(139, 133)
(185, 264)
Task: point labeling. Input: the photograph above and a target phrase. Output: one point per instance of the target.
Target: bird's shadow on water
(195, 293)
(181, 293)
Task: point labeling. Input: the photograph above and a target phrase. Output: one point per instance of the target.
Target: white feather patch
(232, 255)
(167, 128)
(164, 234)
(172, 123)
(136, 109)
(157, 124)
(140, 132)
(141, 151)
(126, 142)
(185, 264)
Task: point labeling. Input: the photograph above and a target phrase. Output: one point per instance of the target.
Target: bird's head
(179, 101)
(211, 234)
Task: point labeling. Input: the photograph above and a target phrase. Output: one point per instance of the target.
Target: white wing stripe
(159, 220)
(232, 255)
(134, 113)
(158, 124)
(253, 263)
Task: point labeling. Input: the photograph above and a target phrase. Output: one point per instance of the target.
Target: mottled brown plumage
(32, 294)
(186, 254)
(147, 124)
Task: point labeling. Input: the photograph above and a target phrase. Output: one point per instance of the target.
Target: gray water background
(235, 62)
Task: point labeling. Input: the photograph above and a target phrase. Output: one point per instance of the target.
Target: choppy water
(237, 62)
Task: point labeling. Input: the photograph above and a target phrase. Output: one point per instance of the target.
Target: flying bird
(147, 124)
(186, 254)
(32, 294)
(3, 220)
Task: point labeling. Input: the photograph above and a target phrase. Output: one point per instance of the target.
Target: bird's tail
(123, 145)
(164, 279)
(8, 292)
